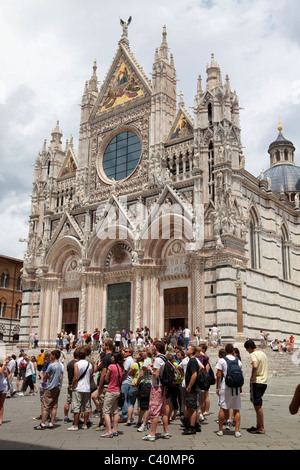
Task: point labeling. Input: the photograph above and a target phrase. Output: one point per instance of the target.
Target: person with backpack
(229, 382)
(159, 385)
(192, 387)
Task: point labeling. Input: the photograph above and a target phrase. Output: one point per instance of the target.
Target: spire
(164, 45)
(213, 74)
(199, 84)
(56, 134)
(181, 102)
(279, 126)
(93, 83)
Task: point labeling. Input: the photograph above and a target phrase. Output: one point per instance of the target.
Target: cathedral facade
(154, 219)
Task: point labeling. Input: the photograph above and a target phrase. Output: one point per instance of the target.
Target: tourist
(81, 389)
(133, 389)
(180, 341)
(70, 372)
(117, 340)
(31, 340)
(96, 339)
(108, 348)
(114, 376)
(144, 389)
(21, 370)
(124, 339)
(173, 394)
(258, 384)
(34, 377)
(228, 397)
(214, 335)
(12, 368)
(5, 375)
(36, 341)
(186, 336)
(157, 405)
(197, 335)
(29, 373)
(127, 381)
(132, 340)
(54, 377)
(40, 359)
(203, 358)
(191, 384)
(43, 382)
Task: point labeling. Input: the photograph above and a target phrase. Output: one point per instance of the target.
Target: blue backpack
(234, 377)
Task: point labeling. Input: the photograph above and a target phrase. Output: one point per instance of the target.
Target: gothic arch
(61, 251)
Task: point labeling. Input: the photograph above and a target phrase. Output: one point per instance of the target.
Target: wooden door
(70, 315)
(175, 308)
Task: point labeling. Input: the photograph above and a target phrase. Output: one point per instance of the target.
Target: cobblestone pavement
(282, 429)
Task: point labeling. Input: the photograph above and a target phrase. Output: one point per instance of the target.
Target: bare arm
(295, 403)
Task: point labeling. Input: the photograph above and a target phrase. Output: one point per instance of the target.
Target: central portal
(176, 308)
(118, 307)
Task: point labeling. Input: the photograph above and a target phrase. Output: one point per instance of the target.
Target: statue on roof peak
(125, 25)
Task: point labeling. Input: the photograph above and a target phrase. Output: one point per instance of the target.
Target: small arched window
(285, 255)
(5, 279)
(254, 240)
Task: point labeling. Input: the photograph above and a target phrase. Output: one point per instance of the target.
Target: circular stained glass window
(121, 156)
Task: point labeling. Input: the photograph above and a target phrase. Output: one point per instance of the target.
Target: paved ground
(17, 431)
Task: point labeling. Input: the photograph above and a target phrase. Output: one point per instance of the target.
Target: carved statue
(125, 26)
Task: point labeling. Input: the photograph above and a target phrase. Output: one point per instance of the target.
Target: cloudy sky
(47, 53)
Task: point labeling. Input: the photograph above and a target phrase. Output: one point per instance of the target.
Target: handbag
(93, 385)
(121, 399)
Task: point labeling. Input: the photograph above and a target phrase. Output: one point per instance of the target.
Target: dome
(284, 175)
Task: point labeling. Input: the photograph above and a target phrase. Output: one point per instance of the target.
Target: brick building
(10, 297)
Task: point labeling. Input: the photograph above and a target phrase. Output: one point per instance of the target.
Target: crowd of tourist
(110, 378)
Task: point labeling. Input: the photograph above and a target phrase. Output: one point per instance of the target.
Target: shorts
(40, 367)
(191, 401)
(228, 399)
(81, 402)
(22, 373)
(50, 400)
(144, 396)
(102, 394)
(157, 404)
(132, 395)
(69, 395)
(110, 405)
(256, 393)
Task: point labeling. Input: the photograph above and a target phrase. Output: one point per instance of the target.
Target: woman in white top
(117, 340)
(28, 378)
(5, 375)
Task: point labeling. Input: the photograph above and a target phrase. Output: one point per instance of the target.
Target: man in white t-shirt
(81, 386)
(229, 398)
(186, 336)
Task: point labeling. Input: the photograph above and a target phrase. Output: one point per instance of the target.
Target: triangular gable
(182, 127)
(113, 214)
(69, 165)
(124, 83)
(66, 227)
(162, 205)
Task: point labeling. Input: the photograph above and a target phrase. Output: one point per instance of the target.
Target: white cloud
(50, 48)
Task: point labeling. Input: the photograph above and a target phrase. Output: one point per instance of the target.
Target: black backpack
(168, 375)
(234, 377)
(204, 380)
